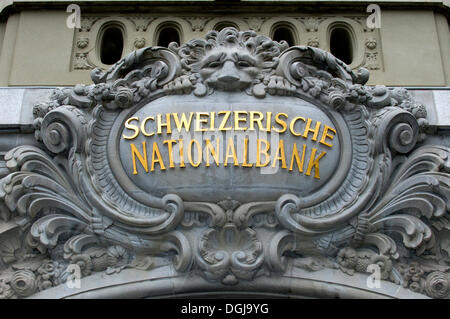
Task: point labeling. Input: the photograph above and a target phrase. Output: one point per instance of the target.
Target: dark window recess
(111, 45)
(168, 35)
(341, 45)
(284, 34)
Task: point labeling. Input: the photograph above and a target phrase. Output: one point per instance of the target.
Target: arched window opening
(223, 25)
(168, 35)
(111, 46)
(285, 34)
(341, 45)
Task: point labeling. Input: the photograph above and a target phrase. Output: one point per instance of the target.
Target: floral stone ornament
(95, 196)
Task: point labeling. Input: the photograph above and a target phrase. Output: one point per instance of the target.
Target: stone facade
(227, 164)
(65, 56)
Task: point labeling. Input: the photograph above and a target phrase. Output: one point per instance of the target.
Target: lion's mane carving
(229, 60)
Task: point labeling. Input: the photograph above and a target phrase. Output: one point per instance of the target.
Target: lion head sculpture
(229, 60)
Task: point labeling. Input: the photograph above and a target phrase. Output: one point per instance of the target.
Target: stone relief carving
(81, 62)
(141, 23)
(371, 43)
(139, 43)
(371, 54)
(87, 22)
(372, 61)
(62, 204)
(311, 23)
(82, 42)
(363, 22)
(255, 23)
(313, 42)
(197, 23)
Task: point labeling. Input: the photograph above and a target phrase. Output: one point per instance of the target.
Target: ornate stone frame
(64, 200)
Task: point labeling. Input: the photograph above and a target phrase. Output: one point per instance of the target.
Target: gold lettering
(170, 151)
(199, 121)
(254, 120)
(244, 162)
(142, 159)
(213, 118)
(281, 122)
(184, 122)
(224, 121)
(131, 127)
(291, 127)
(159, 160)
(260, 152)
(314, 162)
(143, 126)
(230, 147)
(269, 121)
(181, 144)
(239, 122)
(238, 119)
(214, 152)
(161, 124)
(280, 155)
(325, 135)
(199, 153)
(308, 129)
(297, 158)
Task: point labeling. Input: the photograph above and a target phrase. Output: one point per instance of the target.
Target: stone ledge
(166, 282)
(16, 105)
(5, 5)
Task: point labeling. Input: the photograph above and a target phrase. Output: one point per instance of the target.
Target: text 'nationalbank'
(303, 156)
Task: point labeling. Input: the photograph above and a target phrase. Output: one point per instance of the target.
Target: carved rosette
(64, 203)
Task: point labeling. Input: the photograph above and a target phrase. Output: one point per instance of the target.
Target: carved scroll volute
(396, 129)
(63, 128)
(139, 60)
(74, 125)
(299, 62)
(280, 243)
